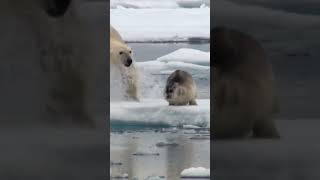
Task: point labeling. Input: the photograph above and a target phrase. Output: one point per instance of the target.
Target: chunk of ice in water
(155, 178)
(198, 172)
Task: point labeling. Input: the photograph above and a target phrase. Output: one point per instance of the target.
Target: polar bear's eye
(130, 52)
(120, 52)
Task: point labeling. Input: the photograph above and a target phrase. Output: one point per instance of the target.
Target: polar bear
(121, 59)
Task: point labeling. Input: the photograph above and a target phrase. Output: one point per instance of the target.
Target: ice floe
(157, 111)
(187, 55)
(198, 172)
(142, 4)
(155, 178)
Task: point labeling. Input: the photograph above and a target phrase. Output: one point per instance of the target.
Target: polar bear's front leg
(130, 79)
(132, 90)
(132, 84)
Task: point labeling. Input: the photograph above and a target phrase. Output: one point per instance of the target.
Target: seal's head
(173, 90)
(180, 89)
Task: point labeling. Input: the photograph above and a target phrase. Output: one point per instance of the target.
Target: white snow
(158, 4)
(157, 111)
(198, 172)
(168, 25)
(188, 56)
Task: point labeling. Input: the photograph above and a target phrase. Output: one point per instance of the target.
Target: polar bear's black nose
(129, 62)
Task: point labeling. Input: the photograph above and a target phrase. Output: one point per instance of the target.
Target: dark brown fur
(243, 86)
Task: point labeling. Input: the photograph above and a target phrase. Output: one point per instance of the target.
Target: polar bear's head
(120, 53)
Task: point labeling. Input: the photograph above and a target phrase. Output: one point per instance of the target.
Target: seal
(243, 87)
(180, 89)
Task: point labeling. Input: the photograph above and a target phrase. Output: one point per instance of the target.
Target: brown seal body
(180, 89)
(243, 87)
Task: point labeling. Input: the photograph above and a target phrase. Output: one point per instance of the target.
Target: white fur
(128, 75)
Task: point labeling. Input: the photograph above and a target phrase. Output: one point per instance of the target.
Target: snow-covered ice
(167, 25)
(121, 176)
(139, 4)
(193, 3)
(157, 111)
(187, 55)
(188, 126)
(155, 178)
(143, 4)
(198, 172)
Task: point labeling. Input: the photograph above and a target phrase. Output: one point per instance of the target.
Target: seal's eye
(121, 52)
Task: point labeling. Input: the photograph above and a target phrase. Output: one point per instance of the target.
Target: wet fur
(129, 75)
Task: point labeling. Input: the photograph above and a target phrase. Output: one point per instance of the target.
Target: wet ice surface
(138, 154)
(187, 55)
(168, 4)
(157, 111)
